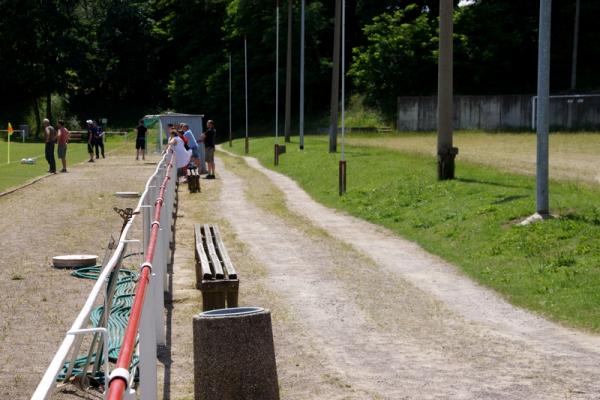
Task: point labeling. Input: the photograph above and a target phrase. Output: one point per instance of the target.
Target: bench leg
(219, 299)
(232, 298)
(208, 301)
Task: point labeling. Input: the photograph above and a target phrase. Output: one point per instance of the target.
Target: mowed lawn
(572, 155)
(552, 268)
(15, 173)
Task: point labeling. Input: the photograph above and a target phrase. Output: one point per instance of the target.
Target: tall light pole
(276, 150)
(342, 169)
(445, 150)
(246, 143)
(288, 76)
(230, 131)
(302, 28)
(543, 108)
(335, 79)
(575, 45)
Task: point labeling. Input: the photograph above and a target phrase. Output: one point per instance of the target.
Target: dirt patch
(62, 214)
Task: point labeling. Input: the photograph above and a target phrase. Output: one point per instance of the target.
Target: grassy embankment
(552, 268)
(15, 173)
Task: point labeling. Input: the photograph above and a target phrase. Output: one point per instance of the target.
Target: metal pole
(288, 78)
(302, 28)
(575, 44)
(230, 133)
(277, 74)
(247, 146)
(446, 152)
(343, 62)
(543, 105)
(335, 79)
(342, 169)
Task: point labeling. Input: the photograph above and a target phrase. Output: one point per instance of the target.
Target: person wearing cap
(50, 139)
(91, 140)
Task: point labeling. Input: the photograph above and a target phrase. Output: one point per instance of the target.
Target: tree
(399, 59)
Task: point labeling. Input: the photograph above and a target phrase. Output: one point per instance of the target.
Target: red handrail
(118, 386)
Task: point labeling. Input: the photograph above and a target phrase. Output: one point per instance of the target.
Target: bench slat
(227, 264)
(201, 254)
(212, 253)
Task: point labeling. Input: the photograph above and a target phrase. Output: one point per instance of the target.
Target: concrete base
(537, 217)
(234, 355)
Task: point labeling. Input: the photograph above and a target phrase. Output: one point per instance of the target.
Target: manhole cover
(127, 194)
(74, 260)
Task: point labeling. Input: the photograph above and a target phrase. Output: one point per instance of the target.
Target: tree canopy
(120, 59)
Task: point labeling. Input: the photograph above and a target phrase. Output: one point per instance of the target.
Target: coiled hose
(117, 321)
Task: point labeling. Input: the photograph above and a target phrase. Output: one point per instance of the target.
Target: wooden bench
(193, 180)
(76, 136)
(215, 275)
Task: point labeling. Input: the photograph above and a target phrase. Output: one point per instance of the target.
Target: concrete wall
(513, 112)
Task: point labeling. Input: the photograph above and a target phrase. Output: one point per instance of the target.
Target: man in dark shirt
(92, 132)
(140, 140)
(209, 143)
(50, 139)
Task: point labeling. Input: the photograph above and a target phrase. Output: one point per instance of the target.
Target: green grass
(15, 173)
(552, 268)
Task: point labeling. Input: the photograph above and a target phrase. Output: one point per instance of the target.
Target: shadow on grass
(508, 199)
(491, 183)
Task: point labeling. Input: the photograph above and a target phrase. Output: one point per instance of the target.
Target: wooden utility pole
(335, 78)
(446, 152)
(288, 77)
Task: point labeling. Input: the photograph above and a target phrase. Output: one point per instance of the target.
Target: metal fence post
(147, 365)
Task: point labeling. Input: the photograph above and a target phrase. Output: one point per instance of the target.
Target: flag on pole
(10, 132)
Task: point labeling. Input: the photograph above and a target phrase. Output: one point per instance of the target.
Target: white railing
(152, 322)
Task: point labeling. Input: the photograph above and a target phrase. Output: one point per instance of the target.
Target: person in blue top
(192, 144)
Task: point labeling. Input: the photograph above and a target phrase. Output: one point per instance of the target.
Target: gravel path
(395, 322)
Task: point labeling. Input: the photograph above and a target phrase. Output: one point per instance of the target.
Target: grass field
(572, 155)
(552, 268)
(15, 173)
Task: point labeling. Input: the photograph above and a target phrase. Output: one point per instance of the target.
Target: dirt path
(383, 319)
(61, 214)
(357, 312)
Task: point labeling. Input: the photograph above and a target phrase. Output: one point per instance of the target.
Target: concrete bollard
(234, 355)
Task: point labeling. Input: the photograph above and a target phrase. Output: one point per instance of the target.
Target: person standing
(50, 139)
(63, 139)
(209, 145)
(182, 156)
(140, 140)
(192, 144)
(99, 139)
(91, 139)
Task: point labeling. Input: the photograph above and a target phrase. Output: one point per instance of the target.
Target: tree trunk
(49, 106)
(38, 122)
(335, 78)
(288, 77)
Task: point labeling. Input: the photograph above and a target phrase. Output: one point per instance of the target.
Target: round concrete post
(234, 355)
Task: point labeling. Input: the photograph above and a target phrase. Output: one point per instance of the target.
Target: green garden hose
(117, 321)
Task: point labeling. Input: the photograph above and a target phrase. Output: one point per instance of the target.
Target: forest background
(121, 59)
